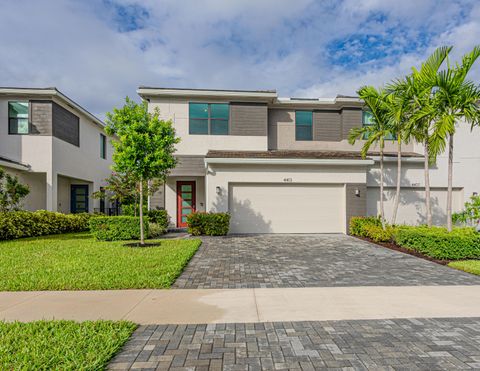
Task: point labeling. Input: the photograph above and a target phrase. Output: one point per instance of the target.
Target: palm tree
(455, 99)
(376, 102)
(418, 89)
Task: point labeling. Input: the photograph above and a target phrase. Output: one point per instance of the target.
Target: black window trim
(209, 118)
(29, 115)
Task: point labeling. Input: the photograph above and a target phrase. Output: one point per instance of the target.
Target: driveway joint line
(137, 304)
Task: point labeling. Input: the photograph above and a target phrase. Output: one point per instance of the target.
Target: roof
(51, 91)
(5, 161)
(287, 154)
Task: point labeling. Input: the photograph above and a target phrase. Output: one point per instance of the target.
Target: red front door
(185, 202)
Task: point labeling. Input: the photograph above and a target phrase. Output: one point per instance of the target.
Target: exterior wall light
(475, 194)
(357, 192)
(218, 190)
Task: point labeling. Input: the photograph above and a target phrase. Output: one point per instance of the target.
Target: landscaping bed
(61, 345)
(76, 261)
(435, 244)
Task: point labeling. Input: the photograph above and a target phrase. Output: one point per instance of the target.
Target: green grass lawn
(470, 266)
(77, 262)
(61, 345)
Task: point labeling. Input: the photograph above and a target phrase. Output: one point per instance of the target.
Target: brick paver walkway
(401, 344)
(309, 261)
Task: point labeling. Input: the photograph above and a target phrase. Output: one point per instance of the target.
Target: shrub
(160, 217)
(210, 224)
(132, 210)
(437, 242)
(358, 223)
(19, 224)
(114, 228)
(377, 233)
(156, 230)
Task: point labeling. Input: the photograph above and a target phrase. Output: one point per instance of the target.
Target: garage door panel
(279, 208)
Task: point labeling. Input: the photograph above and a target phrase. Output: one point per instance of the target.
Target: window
(209, 118)
(303, 125)
(367, 120)
(18, 118)
(103, 146)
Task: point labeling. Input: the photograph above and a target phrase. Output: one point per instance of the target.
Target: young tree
(144, 146)
(455, 99)
(12, 192)
(376, 102)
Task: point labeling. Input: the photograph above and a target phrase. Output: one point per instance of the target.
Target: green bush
(156, 230)
(160, 217)
(358, 224)
(437, 242)
(132, 210)
(19, 224)
(377, 233)
(115, 228)
(210, 224)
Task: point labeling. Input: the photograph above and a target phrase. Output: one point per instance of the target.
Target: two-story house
(56, 147)
(285, 165)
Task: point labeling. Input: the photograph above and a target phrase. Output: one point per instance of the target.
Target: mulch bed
(393, 246)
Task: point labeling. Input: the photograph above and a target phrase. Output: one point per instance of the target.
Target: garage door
(286, 208)
(411, 208)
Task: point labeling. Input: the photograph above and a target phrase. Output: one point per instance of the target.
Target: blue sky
(99, 51)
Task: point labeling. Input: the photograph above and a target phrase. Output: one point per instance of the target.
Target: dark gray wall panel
(189, 166)
(248, 119)
(327, 126)
(66, 125)
(356, 205)
(351, 118)
(41, 117)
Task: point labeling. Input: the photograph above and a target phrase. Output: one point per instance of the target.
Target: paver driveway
(309, 261)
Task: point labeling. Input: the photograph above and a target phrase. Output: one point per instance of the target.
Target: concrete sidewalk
(244, 305)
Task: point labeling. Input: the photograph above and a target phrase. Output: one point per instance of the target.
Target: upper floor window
(18, 118)
(303, 125)
(209, 118)
(103, 146)
(367, 120)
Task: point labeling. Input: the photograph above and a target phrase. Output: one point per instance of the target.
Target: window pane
(186, 196)
(186, 187)
(187, 203)
(219, 127)
(303, 132)
(18, 126)
(198, 110)
(198, 126)
(367, 118)
(18, 110)
(303, 117)
(184, 219)
(219, 111)
(186, 211)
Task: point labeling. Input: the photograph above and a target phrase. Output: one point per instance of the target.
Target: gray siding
(248, 119)
(356, 205)
(157, 200)
(189, 166)
(351, 118)
(327, 126)
(41, 117)
(66, 125)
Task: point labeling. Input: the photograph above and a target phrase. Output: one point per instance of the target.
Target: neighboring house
(55, 146)
(285, 165)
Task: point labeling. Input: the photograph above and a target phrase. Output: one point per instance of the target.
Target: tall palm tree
(419, 88)
(455, 99)
(374, 134)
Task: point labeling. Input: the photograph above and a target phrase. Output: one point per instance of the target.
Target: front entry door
(79, 198)
(185, 202)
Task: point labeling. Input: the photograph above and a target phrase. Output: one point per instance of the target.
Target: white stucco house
(284, 165)
(56, 147)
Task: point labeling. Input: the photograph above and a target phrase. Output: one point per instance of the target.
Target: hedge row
(19, 224)
(436, 242)
(210, 224)
(115, 228)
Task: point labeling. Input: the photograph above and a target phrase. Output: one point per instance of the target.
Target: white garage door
(411, 208)
(287, 208)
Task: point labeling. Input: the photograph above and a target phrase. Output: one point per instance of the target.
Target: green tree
(374, 134)
(470, 213)
(12, 192)
(144, 146)
(455, 99)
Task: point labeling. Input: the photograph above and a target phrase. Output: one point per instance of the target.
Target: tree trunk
(382, 211)
(427, 185)
(399, 175)
(142, 237)
(450, 178)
